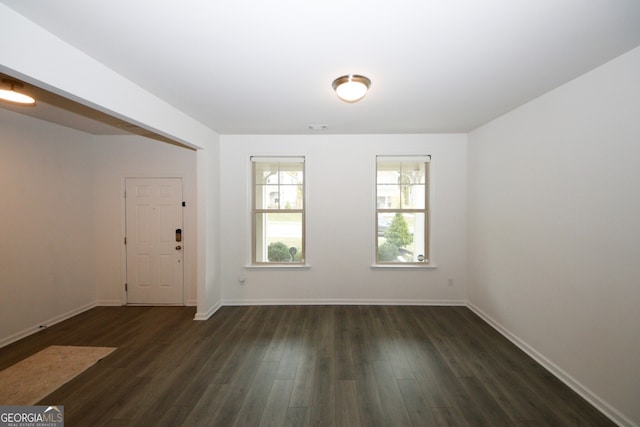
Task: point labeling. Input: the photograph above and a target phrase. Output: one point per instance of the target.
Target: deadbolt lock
(178, 247)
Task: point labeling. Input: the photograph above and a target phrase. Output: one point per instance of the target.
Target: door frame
(123, 235)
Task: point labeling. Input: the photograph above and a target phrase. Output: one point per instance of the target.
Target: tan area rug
(28, 381)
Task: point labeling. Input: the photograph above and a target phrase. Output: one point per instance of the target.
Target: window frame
(254, 160)
(426, 211)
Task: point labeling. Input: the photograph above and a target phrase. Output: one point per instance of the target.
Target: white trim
(280, 159)
(192, 303)
(422, 158)
(209, 313)
(278, 266)
(346, 301)
(558, 372)
(408, 265)
(43, 325)
(123, 236)
(110, 303)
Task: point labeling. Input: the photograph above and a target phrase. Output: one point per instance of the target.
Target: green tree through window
(398, 232)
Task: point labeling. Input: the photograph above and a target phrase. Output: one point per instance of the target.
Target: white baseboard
(558, 372)
(209, 313)
(109, 303)
(118, 303)
(232, 302)
(43, 325)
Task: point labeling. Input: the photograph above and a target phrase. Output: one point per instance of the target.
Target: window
(402, 210)
(278, 210)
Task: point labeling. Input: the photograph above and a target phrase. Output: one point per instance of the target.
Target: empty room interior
(197, 188)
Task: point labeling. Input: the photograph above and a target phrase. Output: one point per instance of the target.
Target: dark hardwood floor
(303, 365)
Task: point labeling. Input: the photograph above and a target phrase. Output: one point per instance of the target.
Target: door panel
(154, 258)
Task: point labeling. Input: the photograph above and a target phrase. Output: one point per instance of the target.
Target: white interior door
(154, 246)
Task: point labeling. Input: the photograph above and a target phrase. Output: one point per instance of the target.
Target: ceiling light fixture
(8, 93)
(351, 88)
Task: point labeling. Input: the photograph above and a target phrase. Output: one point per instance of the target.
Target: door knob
(178, 247)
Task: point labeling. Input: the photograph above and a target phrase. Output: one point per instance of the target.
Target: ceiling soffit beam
(58, 67)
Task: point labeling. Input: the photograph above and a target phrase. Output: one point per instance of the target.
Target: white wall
(554, 239)
(62, 221)
(340, 222)
(62, 69)
(120, 157)
(209, 243)
(47, 255)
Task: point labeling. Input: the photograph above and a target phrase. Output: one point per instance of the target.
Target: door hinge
(125, 240)
(126, 287)
(184, 204)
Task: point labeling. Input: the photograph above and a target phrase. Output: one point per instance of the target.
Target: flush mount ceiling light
(8, 93)
(351, 88)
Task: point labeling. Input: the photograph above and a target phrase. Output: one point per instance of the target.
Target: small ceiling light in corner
(8, 93)
(351, 88)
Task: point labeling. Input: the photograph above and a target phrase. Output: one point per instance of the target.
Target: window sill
(278, 267)
(404, 266)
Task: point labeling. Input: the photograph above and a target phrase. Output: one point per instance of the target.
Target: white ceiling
(266, 67)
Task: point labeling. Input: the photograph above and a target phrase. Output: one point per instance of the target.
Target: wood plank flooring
(303, 366)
